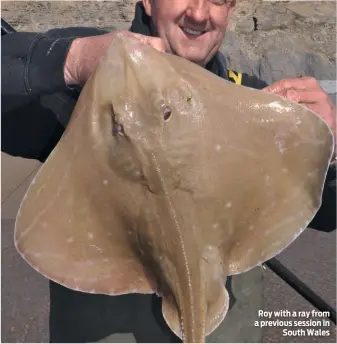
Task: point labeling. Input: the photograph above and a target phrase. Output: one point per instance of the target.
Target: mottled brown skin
(167, 180)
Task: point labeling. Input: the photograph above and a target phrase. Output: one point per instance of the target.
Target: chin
(198, 60)
(195, 58)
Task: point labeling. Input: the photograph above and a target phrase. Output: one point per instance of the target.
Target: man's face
(192, 29)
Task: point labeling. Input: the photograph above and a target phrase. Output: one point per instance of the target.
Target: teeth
(192, 32)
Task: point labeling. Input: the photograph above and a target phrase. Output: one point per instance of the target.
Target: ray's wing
(263, 161)
(273, 160)
(76, 224)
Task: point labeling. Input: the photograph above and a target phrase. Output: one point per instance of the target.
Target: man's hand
(306, 91)
(85, 53)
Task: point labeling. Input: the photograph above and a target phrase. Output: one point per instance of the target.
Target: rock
(288, 39)
(269, 18)
(246, 25)
(242, 19)
(281, 56)
(315, 12)
(126, 9)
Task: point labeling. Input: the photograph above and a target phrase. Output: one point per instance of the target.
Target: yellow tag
(236, 77)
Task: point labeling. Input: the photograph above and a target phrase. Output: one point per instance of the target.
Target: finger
(297, 83)
(156, 42)
(323, 112)
(313, 96)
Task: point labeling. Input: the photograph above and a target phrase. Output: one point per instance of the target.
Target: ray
(170, 184)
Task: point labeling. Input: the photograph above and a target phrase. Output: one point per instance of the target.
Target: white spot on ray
(97, 248)
(251, 227)
(267, 232)
(229, 205)
(280, 142)
(90, 235)
(105, 182)
(210, 248)
(284, 170)
(312, 173)
(215, 225)
(37, 255)
(267, 179)
(70, 240)
(218, 148)
(267, 120)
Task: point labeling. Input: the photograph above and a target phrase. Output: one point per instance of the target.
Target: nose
(198, 10)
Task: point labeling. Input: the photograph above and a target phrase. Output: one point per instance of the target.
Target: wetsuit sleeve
(36, 104)
(32, 63)
(253, 81)
(325, 219)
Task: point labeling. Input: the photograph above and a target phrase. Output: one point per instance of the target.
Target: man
(36, 68)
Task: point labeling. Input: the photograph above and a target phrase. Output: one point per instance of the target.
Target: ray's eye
(117, 129)
(167, 111)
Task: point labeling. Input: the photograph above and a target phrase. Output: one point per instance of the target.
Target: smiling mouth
(192, 33)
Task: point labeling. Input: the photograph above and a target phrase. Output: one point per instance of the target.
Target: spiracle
(117, 129)
(167, 111)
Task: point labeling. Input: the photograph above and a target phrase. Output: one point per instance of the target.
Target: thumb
(270, 89)
(155, 42)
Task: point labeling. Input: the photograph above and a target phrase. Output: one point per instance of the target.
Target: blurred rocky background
(283, 39)
(271, 39)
